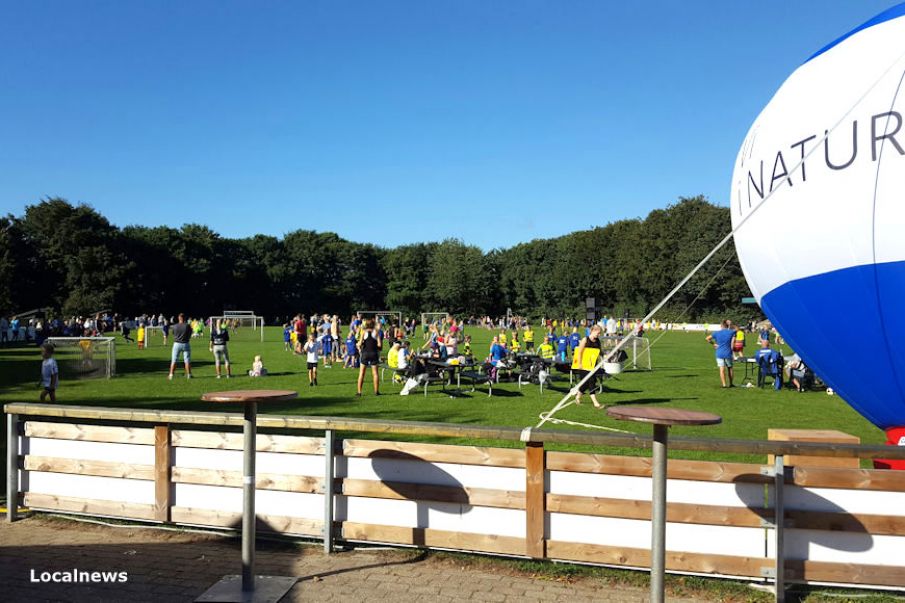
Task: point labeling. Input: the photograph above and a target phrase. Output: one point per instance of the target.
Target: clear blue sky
(391, 122)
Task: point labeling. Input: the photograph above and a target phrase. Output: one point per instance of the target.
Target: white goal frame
(148, 330)
(256, 325)
(378, 313)
(111, 348)
(238, 313)
(638, 352)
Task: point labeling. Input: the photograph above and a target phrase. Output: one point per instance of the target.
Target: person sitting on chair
(797, 372)
(769, 362)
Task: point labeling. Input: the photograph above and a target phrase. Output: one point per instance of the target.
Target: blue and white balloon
(820, 181)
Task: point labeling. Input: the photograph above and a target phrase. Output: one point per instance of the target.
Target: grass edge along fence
(830, 526)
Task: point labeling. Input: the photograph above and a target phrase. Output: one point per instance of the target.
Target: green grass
(684, 376)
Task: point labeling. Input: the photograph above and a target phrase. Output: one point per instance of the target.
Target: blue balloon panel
(858, 351)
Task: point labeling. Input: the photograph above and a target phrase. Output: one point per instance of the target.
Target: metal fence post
(779, 519)
(329, 464)
(12, 466)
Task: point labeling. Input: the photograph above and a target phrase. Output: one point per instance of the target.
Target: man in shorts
(218, 345)
(182, 334)
(722, 344)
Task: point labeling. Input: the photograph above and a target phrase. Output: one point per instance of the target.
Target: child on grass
(257, 368)
(310, 350)
(50, 373)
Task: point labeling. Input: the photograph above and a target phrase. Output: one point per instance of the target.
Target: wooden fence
(834, 526)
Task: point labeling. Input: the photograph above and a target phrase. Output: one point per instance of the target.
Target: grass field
(684, 376)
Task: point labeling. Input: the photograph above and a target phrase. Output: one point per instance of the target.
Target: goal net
(153, 335)
(242, 327)
(637, 349)
(84, 357)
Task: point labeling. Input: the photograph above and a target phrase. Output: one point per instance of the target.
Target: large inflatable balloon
(820, 185)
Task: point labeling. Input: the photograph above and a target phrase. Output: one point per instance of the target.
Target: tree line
(71, 259)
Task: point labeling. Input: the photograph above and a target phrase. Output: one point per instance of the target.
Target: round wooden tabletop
(250, 395)
(663, 416)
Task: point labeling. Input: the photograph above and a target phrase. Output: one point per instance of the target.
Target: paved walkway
(179, 566)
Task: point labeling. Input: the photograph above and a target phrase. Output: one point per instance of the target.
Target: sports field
(684, 375)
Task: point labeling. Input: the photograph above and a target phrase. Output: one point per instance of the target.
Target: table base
(268, 589)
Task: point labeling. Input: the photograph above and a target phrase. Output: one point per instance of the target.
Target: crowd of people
(362, 343)
(729, 343)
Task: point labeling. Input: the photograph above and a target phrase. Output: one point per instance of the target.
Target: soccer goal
(393, 317)
(84, 357)
(637, 349)
(242, 327)
(152, 332)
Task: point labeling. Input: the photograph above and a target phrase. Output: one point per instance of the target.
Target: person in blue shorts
(722, 343)
(327, 348)
(562, 348)
(351, 351)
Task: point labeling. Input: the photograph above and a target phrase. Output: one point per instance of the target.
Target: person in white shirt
(50, 373)
(310, 350)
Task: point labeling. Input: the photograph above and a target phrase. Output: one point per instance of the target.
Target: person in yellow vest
(514, 345)
(584, 361)
(393, 360)
(545, 350)
(738, 344)
(529, 339)
(502, 338)
(140, 336)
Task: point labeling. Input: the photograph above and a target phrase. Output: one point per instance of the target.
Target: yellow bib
(588, 359)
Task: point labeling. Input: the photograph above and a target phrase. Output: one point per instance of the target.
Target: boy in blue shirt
(574, 339)
(351, 351)
(722, 343)
(562, 348)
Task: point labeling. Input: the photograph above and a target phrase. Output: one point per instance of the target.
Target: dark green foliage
(72, 259)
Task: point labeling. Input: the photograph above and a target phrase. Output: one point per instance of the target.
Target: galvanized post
(779, 520)
(12, 466)
(249, 429)
(658, 515)
(329, 445)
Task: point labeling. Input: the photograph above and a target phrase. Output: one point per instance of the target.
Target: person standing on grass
(722, 343)
(50, 373)
(585, 361)
(310, 350)
(218, 345)
(182, 334)
(369, 346)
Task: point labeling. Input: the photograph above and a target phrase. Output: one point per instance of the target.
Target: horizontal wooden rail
(454, 431)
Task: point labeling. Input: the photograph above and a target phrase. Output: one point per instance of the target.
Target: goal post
(151, 330)
(637, 349)
(84, 357)
(240, 324)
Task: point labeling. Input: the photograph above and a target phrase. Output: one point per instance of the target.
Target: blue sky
(391, 122)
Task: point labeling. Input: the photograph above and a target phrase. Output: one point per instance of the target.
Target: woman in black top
(369, 346)
(592, 341)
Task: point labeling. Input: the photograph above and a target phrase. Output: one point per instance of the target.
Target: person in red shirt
(301, 328)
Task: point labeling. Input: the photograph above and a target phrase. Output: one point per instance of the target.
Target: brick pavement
(179, 566)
